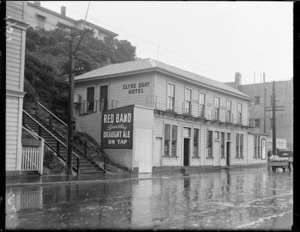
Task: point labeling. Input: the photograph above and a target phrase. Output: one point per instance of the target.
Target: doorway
(186, 152)
(227, 153)
(103, 97)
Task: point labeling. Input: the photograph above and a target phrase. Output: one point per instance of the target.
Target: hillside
(46, 65)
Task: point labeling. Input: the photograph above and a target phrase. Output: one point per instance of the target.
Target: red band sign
(117, 128)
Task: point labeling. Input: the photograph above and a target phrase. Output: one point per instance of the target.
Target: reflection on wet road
(235, 199)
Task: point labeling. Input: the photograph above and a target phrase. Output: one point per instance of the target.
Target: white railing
(33, 156)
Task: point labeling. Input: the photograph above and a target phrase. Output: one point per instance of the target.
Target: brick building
(262, 120)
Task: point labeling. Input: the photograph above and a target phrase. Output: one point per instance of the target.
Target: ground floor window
(239, 145)
(170, 140)
(257, 147)
(209, 144)
(196, 143)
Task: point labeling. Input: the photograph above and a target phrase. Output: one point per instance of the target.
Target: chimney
(37, 3)
(238, 78)
(63, 11)
(264, 78)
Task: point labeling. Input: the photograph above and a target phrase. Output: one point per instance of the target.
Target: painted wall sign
(136, 88)
(117, 128)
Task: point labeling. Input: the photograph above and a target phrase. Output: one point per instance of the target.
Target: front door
(227, 153)
(186, 152)
(103, 97)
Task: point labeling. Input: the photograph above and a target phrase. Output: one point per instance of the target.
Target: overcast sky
(213, 39)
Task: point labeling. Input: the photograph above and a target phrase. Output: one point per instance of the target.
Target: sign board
(117, 128)
(280, 143)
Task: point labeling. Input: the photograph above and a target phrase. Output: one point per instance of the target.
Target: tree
(46, 65)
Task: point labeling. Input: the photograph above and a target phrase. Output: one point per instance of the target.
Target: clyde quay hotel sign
(117, 128)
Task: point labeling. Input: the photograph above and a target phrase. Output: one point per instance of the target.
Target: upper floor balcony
(166, 106)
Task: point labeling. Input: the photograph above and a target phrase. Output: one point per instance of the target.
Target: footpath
(36, 179)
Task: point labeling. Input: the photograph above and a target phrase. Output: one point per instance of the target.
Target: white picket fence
(33, 156)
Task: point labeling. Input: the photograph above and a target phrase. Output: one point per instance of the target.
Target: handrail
(52, 114)
(32, 133)
(49, 132)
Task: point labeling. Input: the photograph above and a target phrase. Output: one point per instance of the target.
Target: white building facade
(183, 119)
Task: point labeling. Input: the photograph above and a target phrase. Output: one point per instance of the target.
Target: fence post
(36, 109)
(40, 131)
(84, 147)
(105, 160)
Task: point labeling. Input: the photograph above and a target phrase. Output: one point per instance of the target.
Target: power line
(161, 53)
(163, 48)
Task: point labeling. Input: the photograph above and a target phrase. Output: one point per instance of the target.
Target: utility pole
(71, 101)
(274, 108)
(74, 32)
(274, 121)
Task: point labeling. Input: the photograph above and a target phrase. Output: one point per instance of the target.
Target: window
(171, 97)
(201, 104)
(90, 99)
(239, 113)
(217, 108)
(170, 137)
(257, 100)
(209, 144)
(258, 147)
(40, 21)
(174, 140)
(228, 114)
(239, 145)
(196, 142)
(222, 144)
(167, 140)
(187, 105)
(257, 123)
(217, 135)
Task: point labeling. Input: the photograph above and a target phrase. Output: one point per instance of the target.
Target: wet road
(236, 199)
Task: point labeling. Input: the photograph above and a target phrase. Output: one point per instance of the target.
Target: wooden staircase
(58, 143)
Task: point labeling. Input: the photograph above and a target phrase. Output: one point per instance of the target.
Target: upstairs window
(187, 105)
(40, 21)
(239, 113)
(228, 114)
(217, 108)
(171, 97)
(201, 104)
(90, 99)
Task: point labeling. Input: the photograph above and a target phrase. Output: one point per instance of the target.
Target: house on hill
(41, 17)
(148, 115)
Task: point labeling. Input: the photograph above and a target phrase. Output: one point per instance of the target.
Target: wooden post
(274, 121)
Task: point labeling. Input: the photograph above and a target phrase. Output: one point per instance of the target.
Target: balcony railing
(90, 107)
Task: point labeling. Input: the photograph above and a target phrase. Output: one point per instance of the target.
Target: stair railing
(48, 117)
(57, 140)
(85, 149)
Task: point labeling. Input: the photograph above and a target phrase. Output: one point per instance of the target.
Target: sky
(212, 39)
